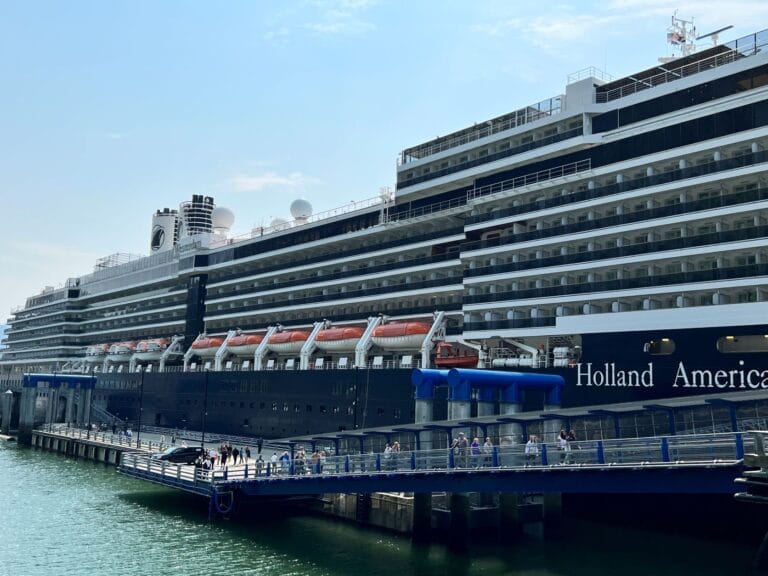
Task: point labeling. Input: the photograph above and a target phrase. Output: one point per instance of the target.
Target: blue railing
(671, 451)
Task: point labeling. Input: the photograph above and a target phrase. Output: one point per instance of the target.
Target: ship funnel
(163, 230)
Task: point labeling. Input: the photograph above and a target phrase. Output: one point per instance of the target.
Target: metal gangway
(696, 463)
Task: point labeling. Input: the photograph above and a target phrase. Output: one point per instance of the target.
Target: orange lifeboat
(121, 352)
(151, 349)
(244, 344)
(400, 335)
(96, 352)
(288, 341)
(207, 346)
(338, 339)
(446, 356)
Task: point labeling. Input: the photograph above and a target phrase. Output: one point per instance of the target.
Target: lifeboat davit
(446, 356)
(338, 339)
(207, 346)
(400, 335)
(151, 349)
(244, 344)
(288, 341)
(121, 352)
(96, 353)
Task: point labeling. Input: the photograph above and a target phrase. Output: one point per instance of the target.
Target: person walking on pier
(273, 461)
(564, 447)
(460, 447)
(475, 449)
(247, 454)
(531, 450)
(487, 451)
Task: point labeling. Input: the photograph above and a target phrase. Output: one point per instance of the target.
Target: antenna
(714, 34)
(681, 34)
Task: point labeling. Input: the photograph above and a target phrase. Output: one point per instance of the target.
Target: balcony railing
(705, 169)
(651, 281)
(736, 50)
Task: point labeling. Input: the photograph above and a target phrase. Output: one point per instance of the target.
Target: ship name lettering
(608, 376)
(737, 378)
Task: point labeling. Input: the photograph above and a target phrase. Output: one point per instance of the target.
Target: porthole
(660, 347)
(751, 343)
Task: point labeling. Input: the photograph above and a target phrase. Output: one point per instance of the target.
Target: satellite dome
(301, 209)
(222, 217)
(278, 223)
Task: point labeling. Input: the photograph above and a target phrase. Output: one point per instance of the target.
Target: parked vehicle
(180, 454)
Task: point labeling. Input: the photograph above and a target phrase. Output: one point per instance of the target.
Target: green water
(60, 517)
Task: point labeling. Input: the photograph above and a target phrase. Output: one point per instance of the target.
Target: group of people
(302, 464)
(564, 447)
(228, 454)
(472, 454)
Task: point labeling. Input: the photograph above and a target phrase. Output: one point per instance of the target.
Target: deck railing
(667, 451)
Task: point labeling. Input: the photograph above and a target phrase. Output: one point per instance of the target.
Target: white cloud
(574, 23)
(271, 180)
(712, 13)
(323, 18)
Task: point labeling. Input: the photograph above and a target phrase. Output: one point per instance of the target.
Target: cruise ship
(616, 235)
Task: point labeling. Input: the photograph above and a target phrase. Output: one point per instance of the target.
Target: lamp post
(205, 411)
(141, 408)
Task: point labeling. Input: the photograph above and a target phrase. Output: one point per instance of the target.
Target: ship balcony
(723, 276)
(538, 203)
(595, 254)
(129, 304)
(298, 259)
(424, 263)
(358, 312)
(604, 223)
(403, 289)
(512, 120)
(475, 165)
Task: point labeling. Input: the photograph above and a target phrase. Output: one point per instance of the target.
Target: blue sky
(110, 110)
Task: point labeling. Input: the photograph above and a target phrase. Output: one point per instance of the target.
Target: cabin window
(660, 347)
(752, 343)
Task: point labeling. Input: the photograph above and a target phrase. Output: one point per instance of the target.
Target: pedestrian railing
(668, 451)
(106, 437)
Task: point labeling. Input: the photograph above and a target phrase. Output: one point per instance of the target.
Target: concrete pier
(421, 528)
(458, 534)
(85, 448)
(510, 521)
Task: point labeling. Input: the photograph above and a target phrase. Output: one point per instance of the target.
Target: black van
(180, 454)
